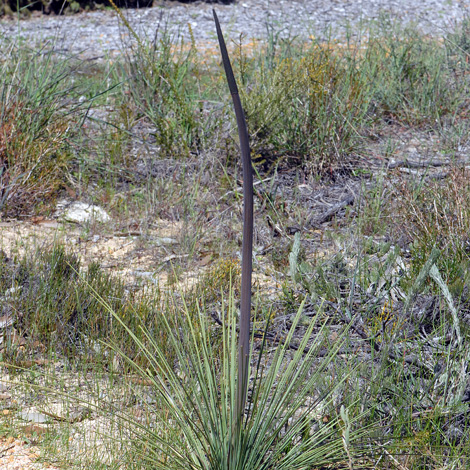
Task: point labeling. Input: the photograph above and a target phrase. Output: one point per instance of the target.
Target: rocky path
(94, 35)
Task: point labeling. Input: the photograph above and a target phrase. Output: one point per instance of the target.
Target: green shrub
(308, 104)
(163, 81)
(411, 78)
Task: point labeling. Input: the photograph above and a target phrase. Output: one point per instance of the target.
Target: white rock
(162, 241)
(80, 212)
(34, 417)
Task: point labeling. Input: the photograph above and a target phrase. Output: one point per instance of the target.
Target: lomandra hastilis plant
(215, 409)
(247, 244)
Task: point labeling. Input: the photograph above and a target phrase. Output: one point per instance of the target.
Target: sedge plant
(247, 243)
(218, 410)
(195, 422)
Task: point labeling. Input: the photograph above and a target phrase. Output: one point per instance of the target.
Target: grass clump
(38, 116)
(412, 76)
(50, 305)
(436, 213)
(163, 79)
(195, 428)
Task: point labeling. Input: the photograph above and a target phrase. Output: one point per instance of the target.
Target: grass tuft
(38, 116)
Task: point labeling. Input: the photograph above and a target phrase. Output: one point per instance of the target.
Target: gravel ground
(93, 35)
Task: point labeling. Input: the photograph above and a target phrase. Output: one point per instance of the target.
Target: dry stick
(247, 244)
(392, 458)
(332, 211)
(357, 326)
(424, 164)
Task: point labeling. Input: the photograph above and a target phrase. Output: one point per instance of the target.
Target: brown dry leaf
(33, 429)
(139, 381)
(206, 260)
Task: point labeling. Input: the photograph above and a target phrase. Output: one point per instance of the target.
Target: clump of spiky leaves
(37, 118)
(197, 397)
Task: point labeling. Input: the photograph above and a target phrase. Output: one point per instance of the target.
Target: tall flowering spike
(247, 246)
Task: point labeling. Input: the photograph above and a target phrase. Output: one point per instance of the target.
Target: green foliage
(371, 221)
(305, 103)
(310, 105)
(215, 284)
(412, 80)
(37, 117)
(163, 80)
(458, 42)
(437, 213)
(195, 428)
(54, 307)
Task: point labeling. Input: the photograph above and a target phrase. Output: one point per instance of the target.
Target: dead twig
(392, 458)
(423, 164)
(332, 211)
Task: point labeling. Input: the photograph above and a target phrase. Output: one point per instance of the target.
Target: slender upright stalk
(247, 244)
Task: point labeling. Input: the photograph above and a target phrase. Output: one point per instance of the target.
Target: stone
(81, 212)
(34, 417)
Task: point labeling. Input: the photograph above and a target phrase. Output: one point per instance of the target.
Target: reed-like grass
(39, 113)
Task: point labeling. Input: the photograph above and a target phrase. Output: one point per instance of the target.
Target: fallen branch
(332, 211)
(392, 458)
(423, 164)
(278, 339)
(438, 176)
(357, 326)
